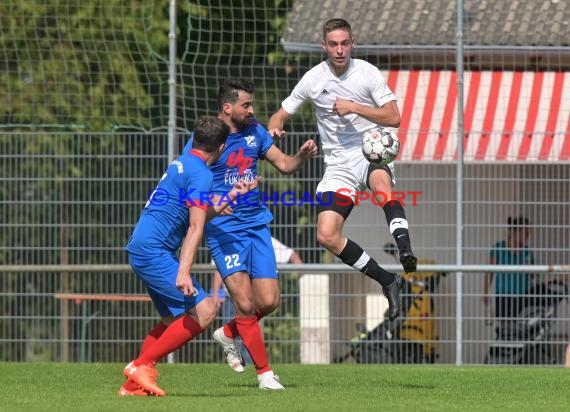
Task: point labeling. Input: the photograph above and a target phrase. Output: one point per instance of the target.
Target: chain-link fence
(84, 213)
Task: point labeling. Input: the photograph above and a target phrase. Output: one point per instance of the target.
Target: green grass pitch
(198, 387)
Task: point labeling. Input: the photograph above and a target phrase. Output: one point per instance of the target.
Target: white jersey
(282, 253)
(341, 136)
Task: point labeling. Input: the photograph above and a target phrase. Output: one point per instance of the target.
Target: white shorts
(350, 177)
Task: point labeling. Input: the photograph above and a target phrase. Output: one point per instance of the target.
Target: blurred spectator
(510, 287)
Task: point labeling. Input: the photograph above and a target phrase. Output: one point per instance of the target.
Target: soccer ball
(380, 146)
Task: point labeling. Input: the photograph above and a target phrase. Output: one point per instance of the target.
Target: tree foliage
(76, 77)
(76, 64)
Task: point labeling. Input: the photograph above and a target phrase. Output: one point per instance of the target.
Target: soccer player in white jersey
(349, 97)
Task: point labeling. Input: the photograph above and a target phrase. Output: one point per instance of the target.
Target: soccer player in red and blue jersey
(173, 220)
(240, 242)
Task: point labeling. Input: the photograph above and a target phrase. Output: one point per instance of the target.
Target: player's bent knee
(329, 241)
(267, 308)
(325, 239)
(206, 312)
(268, 302)
(245, 307)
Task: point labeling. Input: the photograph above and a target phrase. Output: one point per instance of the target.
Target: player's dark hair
(230, 88)
(209, 133)
(518, 222)
(336, 24)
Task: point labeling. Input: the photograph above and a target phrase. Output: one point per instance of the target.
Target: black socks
(396, 219)
(353, 255)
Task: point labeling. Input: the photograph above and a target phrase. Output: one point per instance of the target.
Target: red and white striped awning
(508, 116)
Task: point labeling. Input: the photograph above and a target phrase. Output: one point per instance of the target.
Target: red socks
(230, 329)
(153, 336)
(182, 330)
(252, 338)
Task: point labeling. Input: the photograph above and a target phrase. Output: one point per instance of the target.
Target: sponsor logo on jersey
(179, 166)
(324, 91)
(237, 159)
(250, 141)
(239, 167)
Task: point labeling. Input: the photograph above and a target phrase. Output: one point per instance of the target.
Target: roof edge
(405, 49)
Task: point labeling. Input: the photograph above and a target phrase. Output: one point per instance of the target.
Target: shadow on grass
(413, 386)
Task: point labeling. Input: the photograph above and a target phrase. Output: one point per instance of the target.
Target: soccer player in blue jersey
(173, 221)
(240, 242)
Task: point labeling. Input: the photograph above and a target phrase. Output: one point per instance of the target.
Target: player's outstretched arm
(290, 164)
(277, 123)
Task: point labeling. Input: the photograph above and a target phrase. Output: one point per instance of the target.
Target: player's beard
(241, 123)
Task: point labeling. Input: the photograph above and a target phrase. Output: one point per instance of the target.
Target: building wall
(492, 192)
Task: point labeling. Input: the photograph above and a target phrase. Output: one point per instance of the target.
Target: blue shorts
(249, 251)
(158, 273)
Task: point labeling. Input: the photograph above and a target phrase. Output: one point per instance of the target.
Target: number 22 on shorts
(232, 261)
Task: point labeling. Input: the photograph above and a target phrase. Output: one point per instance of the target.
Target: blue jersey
(165, 218)
(511, 282)
(239, 161)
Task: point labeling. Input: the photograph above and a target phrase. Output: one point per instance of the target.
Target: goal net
(102, 65)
